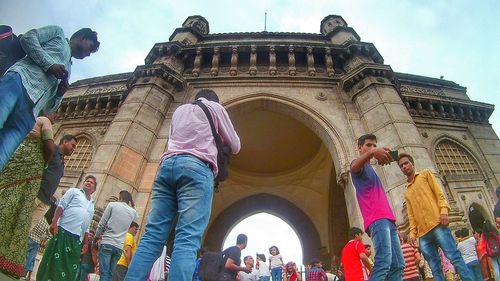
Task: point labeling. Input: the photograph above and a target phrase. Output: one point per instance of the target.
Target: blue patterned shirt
(44, 47)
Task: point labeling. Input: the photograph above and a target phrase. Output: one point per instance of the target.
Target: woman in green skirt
(19, 185)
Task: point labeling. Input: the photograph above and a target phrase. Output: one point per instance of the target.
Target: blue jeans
(265, 278)
(183, 187)
(16, 115)
(389, 261)
(85, 269)
(475, 268)
(31, 255)
(277, 273)
(108, 257)
(441, 237)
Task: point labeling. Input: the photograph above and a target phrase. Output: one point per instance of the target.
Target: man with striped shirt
(412, 258)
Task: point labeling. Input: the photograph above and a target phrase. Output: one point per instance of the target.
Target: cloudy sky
(456, 39)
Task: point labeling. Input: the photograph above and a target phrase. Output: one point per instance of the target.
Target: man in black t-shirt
(232, 259)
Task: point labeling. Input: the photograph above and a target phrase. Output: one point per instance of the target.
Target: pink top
(190, 132)
(445, 262)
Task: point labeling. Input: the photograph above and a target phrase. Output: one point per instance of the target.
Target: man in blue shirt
(36, 83)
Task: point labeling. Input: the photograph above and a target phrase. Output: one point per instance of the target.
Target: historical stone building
(298, 101)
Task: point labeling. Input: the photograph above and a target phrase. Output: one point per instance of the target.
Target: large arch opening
(264, 230)
(287, 167)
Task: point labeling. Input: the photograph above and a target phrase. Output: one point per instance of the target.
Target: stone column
(123, 159)
(371, 88)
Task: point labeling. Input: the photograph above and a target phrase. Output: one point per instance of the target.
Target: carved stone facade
(299, 102)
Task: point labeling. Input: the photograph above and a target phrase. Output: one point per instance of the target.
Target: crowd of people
(429, 243)
(31, 165)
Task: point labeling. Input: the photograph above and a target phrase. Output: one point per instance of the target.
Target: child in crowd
(276, 264)
(264, 273)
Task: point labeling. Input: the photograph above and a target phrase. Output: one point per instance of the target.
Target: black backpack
(212, 266)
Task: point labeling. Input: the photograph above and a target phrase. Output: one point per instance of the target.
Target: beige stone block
(127, 164)
(159, 147)
(141, 200)
(149, 117)
(387, 136)
(482, 131)
(116, 132)
(111, 187)
(398, 112)
(408, 133)
(389, 94)
(368, 99)
(127, 112)
(164, 130)
(489, 146)
(158, 100)
(138, 94)
(103, 157)
(376, 117)
(148, 177)
(138, 138)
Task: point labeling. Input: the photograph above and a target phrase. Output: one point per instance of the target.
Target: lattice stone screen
(80, 159)
(453, 159)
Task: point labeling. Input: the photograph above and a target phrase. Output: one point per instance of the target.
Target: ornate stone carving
(214, 71)
(292, 71)
(272, 61)
(421, 91)
(310, 62)
(321, 96)
(253, 60)
(233, 70)
(329, 62)
(105, 90)
(197, 62)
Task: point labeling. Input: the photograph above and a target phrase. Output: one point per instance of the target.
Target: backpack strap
(217, 138)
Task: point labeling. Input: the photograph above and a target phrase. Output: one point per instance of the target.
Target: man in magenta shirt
(376, 211)
(184, 187)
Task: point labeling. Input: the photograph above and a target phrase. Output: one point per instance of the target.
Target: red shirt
(352, 261)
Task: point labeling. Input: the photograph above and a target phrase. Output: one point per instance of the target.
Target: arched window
(453, 159)
(80, 159)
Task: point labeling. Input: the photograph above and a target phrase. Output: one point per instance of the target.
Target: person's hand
(59, 71)
(382, 155)
(53, 228)
(443, 219)
(247, 269)
(62, 87)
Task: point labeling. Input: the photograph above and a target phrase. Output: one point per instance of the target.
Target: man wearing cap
(36, 83)
(10, 48)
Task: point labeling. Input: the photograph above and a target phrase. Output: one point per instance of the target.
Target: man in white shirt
(252, 276)
(61, 259)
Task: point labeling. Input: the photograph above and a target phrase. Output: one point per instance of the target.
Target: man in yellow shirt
(428, 216)
(129, 248)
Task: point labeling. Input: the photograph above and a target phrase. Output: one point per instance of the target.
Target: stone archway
(298, 220)
(292, 157)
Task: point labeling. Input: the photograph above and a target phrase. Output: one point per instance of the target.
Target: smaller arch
(295, 217)
(454, 158)
(83, 154)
